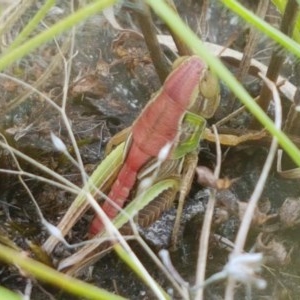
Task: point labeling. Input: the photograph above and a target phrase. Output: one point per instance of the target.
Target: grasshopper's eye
(210, 91)
(209, 85)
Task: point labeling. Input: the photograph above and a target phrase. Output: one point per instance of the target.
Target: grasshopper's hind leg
(188, 172)
(117, 139)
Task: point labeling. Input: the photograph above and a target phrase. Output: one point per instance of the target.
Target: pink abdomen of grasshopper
(157, 125)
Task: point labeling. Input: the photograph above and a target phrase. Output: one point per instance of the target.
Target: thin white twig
(156, 260)
(113, 231)
(205, 233)
(42, 179)
(33, 89)
(247, 219)
(28, 289)
(166, 260)
(39, 166)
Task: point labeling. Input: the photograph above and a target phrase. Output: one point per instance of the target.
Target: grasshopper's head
(209, 95)
(193, 86)
(206, 96)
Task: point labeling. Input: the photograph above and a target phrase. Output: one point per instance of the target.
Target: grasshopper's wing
(152, 212)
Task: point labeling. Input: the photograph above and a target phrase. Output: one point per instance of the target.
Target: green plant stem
(192, 41)
(54, 277)
(264, 27)
(9, 295)
(126, 257)
(58, 28)
(32, 24)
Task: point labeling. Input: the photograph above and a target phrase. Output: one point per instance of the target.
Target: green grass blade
(32, 24)
(61, 26)
(9, 295)
(264, 27)
(125, 256)
(280, 4)
(51, 276)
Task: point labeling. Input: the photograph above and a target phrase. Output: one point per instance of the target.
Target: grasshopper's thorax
(208, 98)
(182, 85)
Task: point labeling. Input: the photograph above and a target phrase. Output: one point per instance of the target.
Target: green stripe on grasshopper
(194, 126)
(100, 180)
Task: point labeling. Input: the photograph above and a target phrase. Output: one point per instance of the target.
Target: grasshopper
(175, 116)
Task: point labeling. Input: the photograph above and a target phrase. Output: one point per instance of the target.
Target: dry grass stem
(246, 222)
(206, 227)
